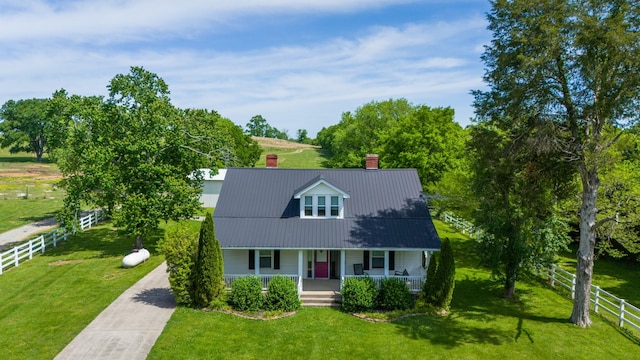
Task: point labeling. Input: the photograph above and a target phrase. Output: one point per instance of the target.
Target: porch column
(300, 271)
(256, 257)
(427, 259)
(386, 263)
(343, 266)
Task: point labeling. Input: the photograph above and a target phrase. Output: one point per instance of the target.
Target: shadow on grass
(24, 159)
(159, 297)
(104, 241)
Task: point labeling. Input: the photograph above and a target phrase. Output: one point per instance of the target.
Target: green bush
(207, 280)
(394, 295)
(358, 294)
(445, 277)
(246, 294)
(428, 288)
(282, 294)
(179, 249)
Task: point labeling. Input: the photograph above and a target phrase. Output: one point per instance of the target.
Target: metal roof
(257, 209)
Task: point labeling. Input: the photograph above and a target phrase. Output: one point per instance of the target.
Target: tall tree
(516, 192)
(258, 126)
(564, 70)
(26, 126)
(133, 154)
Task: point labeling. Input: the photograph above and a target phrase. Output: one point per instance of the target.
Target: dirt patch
(282, 144)
(32, 171)
(65, 262)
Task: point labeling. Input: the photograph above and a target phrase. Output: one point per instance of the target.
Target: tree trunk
(584, 270)
(139, 243)
(39, 156)
(511, 269)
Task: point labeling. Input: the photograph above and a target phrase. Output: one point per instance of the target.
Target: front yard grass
(45, 302)
(481, 325)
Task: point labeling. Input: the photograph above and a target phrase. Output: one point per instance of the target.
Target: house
(211, 186)
(321, 224)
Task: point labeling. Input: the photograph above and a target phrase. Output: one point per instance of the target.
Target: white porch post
(386, 263)
(300, 271)
(256, 257)
(343, 266)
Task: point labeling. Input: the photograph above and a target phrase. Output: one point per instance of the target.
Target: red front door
(322, 264)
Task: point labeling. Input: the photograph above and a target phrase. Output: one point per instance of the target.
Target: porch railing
(230, 278)
(414, 283)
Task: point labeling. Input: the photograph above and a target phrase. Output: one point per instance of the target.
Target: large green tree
(564, 70)
(516, 191)
(133, 154)
(25, 125)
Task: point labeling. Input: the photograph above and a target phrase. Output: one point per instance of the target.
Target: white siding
(410, 260)
(210, 193)
(236, 262)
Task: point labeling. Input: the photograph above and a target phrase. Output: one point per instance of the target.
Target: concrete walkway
(129, 327)
(17, 235)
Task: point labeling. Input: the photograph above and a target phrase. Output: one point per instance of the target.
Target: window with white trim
(377, 259)
(321, 206)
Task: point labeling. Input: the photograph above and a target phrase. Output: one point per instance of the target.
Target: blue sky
(300, 64)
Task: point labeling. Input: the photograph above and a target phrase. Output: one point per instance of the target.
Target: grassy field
(47, 301)
(481, 325)
(291, 155)
(20, 175)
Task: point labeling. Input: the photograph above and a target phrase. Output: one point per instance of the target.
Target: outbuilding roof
(384, 210)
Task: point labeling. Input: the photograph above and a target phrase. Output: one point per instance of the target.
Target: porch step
(321, 298)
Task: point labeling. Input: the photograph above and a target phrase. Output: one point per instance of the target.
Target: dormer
(321, 199)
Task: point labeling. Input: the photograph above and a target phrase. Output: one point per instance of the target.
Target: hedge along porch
(312, 224)
(304, 265)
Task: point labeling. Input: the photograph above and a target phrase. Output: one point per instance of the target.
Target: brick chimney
(272, 161)
(372, 162)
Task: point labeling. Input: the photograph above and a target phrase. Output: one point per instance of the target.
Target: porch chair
(357, 270)
(402, 273)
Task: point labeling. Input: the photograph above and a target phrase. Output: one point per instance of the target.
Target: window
(265, 259)
(322, 210)
(377, 259)
(335, 206)
(320, 206)
(308, 206)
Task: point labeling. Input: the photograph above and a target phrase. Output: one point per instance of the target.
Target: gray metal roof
(256, 209)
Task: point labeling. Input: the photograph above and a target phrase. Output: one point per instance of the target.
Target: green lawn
(481, 325)
(21, 174)
(301, 158)
(47, 301)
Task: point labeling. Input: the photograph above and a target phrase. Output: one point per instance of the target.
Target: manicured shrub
(207, 281)
(179, 248)
(246, 294)
(394, 295)
(428, 288)
(359, 294)
(445, 277)
(282, 295)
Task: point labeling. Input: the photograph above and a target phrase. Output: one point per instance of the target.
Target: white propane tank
(135, 258)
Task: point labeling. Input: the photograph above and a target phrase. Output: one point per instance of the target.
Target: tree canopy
(134, 154)
(25, 125)
(562, 71)
(258, 126)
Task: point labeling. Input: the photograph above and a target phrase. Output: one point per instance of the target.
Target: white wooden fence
(625, 313)
(20, 253)
(601, 299)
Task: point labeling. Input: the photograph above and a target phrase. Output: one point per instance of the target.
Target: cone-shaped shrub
(282, 295)
(428, 288)
(179, 248)
(207, 282)
(358, 294)
(445, 276)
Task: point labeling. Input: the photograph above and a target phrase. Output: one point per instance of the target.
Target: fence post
(1, 266)
(597, 301)
(31, 248)
(573, 286)
(621, 324)
(553, 275)
(42, 243)
(15, 256)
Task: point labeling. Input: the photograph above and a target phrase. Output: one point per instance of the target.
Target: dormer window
(321, 199)
(322, 206)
